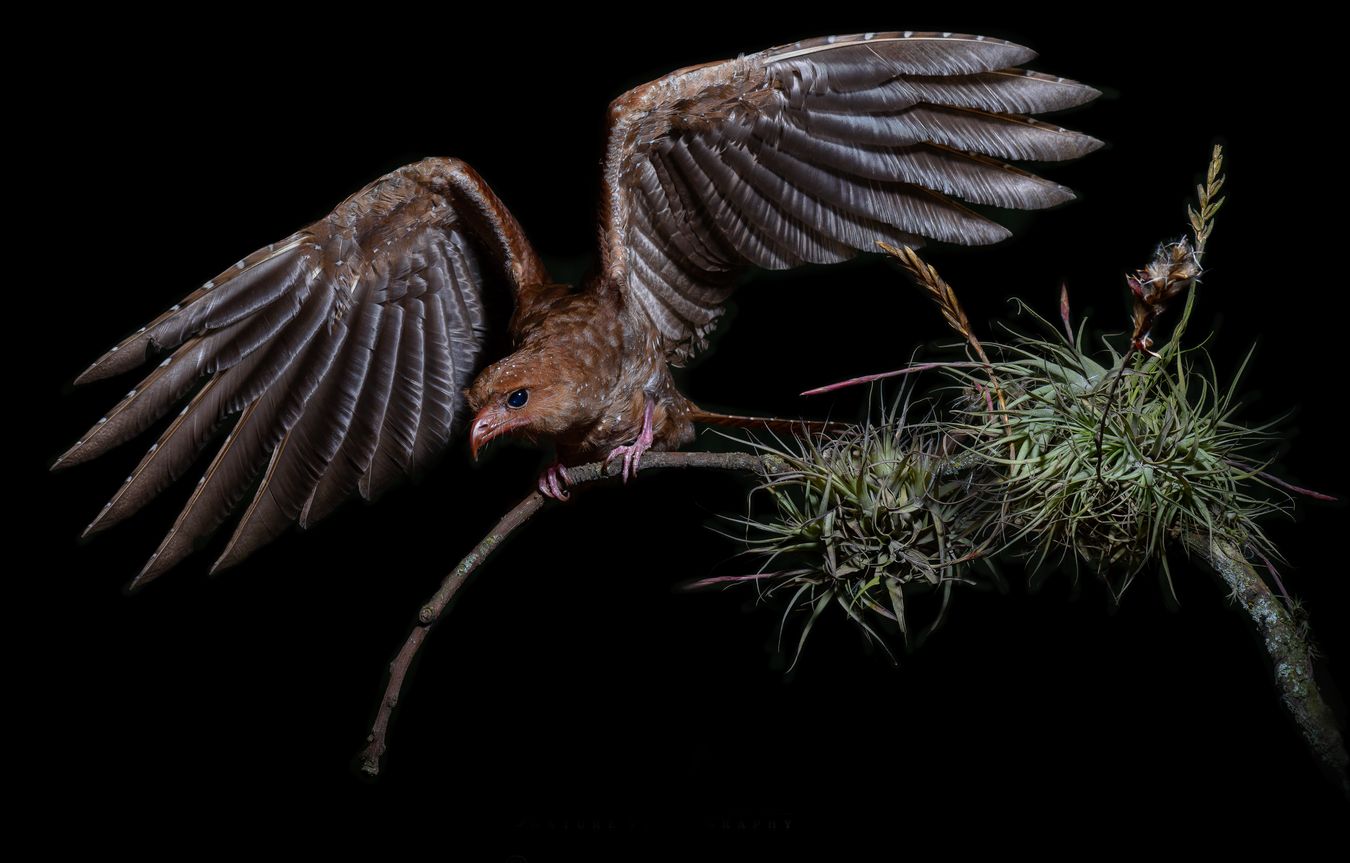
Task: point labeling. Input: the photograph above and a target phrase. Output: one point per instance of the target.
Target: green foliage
(866, 520)
(1173, 461)
(1047, 452)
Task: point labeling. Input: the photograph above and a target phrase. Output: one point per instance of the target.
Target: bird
(351, 353)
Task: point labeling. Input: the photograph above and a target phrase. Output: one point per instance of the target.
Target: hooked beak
(490, 423)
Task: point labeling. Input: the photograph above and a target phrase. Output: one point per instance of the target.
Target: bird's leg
(553, 482)
(632, 453)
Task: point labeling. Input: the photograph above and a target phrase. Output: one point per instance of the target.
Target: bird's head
(528, 394)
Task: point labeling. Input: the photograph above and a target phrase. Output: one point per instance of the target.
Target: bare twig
(1288, 652)
(435, 607)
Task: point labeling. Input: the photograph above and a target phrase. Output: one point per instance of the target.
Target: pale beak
(490, 423)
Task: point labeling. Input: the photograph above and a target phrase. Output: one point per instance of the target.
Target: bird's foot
(632, 453)
(553, 482)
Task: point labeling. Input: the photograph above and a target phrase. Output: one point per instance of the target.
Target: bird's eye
(518, 399)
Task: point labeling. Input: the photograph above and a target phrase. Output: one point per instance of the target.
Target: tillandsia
(1173, 460)
(352, 353)
(1056, 455)
(865, 518)
(1174, 269)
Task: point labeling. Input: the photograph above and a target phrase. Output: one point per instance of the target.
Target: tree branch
(435, 607)
(1287, 649)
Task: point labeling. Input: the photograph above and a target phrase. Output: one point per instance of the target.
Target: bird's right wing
(343, 349)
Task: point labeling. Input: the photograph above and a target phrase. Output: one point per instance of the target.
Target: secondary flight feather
(345, 355)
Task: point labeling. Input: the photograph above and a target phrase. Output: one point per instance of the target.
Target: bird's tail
(777, 424)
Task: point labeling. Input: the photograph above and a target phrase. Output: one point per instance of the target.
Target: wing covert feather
(339, 354)
(812, 153)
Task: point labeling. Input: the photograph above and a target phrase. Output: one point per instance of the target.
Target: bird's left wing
(812, 152)
(343, 350)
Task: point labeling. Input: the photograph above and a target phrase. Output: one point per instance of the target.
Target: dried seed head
(1174, 268)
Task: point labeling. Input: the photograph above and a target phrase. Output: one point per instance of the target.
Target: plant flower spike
(1032, 459)
(1174, 268)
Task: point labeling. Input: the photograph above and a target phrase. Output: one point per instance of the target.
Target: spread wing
(343, 350)
(812, 152)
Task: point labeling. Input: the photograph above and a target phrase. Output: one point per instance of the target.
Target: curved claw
(632, 453)
(553, 482)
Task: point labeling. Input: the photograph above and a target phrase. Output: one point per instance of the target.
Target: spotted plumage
(346, 353)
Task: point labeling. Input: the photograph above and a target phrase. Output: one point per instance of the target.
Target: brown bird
(345, 348)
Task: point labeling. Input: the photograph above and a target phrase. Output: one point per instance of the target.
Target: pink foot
(553, 482)
(632, 453)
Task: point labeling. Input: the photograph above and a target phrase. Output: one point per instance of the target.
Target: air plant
(1048, 452)
(1111, 461)
(1114, 463)
(1173, 462)
(866, 520)
(1174, 270)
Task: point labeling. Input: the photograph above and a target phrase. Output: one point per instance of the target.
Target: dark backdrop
(574, 691)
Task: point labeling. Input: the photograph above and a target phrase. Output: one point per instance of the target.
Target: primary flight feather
(348, 350)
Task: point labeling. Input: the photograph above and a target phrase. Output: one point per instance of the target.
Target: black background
(574, 692)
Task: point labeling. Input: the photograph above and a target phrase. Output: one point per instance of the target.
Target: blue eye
(518, 399)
